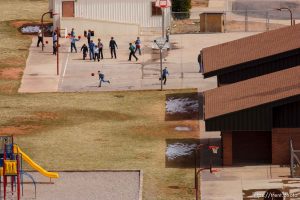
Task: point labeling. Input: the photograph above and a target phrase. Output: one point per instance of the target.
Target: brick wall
(281, 145)
(227, 148)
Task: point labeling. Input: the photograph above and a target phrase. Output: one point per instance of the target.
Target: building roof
(252, 92)
(250, 48)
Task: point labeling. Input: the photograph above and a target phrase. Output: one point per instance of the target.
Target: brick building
(253, 56)
(256, 117)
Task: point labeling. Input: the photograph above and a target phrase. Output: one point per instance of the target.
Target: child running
(101, 79)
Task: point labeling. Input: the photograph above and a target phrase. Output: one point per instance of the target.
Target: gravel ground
(104, 185)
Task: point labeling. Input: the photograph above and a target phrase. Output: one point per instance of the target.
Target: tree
(181, 8)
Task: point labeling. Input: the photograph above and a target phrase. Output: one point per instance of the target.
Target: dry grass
(14, 51)
(200, 3)
(185, 26)
(13, 45)
(22, 9)
(114, 130)
(193, 26)
(118, 130)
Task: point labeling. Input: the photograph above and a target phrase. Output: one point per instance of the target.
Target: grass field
(123, 130)
(22, 9)
(88, 131)
(13, 45)
(14, 51)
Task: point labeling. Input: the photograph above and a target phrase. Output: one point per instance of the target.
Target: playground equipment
(11, 165)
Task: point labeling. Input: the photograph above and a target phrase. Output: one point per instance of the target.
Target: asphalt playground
(123, 74)
(87, 185)
(40, 74)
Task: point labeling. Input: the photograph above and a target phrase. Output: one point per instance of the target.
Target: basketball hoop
(160, 43)
(163, 3)
(214, 149)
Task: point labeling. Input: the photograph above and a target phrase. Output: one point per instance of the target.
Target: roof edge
(250, 63)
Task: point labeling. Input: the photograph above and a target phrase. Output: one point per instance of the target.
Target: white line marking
(65, 69)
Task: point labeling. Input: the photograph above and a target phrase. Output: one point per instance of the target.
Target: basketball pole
(57, 51)
(161, 77)
(163, 22)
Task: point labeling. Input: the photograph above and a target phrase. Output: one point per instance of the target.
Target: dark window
(155, 10)
(251, 147)
(287, 116)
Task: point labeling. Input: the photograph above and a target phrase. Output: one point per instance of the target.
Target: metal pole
(246, 21)
(22, 179)
(225, 22)
(292, 159)
(195, 159)
(18, 177)
(43, 31)
(197, 189)
(196, 174)
(161, 80)
(4, 173)
(57, 51)
(291, 14)
(163, 22)
(267, 21)
(42, 21)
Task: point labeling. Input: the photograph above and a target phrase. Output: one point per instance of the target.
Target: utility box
(212, 22)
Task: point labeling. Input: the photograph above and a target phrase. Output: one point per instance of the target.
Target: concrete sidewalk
(241, 182)
(40, 72)
(248, 182)
(75, 74)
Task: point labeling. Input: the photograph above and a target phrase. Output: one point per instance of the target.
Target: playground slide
(34, 165)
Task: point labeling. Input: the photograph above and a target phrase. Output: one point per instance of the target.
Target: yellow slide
(34, 165)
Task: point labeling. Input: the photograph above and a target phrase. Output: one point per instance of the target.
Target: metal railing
(295, 161)
(229, 21)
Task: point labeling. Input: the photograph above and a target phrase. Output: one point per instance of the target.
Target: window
(68, 8)
(155, 10)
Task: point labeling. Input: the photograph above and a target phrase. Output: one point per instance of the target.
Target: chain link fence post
(267, 21)
(246, 20)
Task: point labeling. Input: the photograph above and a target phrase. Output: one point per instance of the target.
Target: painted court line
(65, 68)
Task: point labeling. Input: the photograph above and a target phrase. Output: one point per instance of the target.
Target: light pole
(161, 43)
(291, 14)
(163, 22)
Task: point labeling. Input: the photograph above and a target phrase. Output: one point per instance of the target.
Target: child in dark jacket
(84, 50)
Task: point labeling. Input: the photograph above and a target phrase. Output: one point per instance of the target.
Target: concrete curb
(141, 185)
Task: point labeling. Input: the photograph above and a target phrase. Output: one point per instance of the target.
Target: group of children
(133, 49)
(96, 50)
